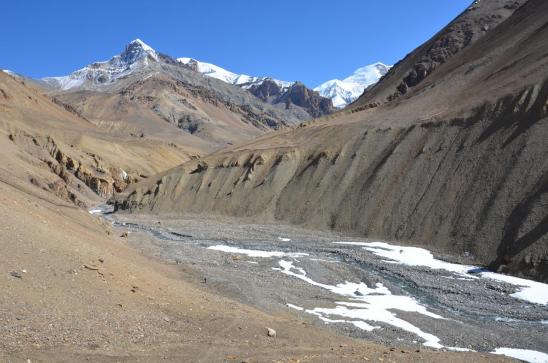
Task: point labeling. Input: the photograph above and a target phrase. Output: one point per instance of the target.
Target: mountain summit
(349, 89)
(136, 55)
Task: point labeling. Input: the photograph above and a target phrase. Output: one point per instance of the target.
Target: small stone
(16, 274)
(123, 235)
(271, 332)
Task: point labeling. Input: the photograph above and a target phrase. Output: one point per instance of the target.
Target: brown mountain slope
(52, 147)
(474, 23)
(145, 92)
(458, 166)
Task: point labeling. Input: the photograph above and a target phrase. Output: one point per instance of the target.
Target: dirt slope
(52, 147)
(457, 165)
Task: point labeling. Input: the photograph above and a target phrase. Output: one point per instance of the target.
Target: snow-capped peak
(136, 55)
(349, 89)
(140, 43)
(137, 49)
(214, 71)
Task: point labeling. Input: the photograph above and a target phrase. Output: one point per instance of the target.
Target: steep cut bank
(458, 165)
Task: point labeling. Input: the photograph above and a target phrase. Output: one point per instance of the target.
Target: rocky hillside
(48, 146)
(474, 23)
(457, 165)
(297, 94)
(141, 91)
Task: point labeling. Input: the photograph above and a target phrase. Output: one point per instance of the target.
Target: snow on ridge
(135, 56)
(243, 80)
(11, 73)
(346, 91)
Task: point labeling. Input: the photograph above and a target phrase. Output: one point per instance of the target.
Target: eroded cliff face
(475, 186)
(76, 170)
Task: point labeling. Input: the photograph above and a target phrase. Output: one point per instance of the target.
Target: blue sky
(307, 40)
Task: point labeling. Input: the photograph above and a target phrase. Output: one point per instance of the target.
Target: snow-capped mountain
(242, 80)
(136, 55)
(269, 90)
(349, 89)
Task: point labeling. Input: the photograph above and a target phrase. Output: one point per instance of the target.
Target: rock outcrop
(295, 95)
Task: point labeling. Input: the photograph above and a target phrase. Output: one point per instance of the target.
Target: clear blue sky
(307, 40)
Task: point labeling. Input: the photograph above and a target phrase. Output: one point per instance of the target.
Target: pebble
(271, 332)
(16, 274)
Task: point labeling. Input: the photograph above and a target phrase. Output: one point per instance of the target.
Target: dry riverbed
(389, 294)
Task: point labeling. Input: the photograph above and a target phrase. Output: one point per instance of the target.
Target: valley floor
(74, 290)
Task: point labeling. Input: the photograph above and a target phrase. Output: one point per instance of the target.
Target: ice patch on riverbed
(95, 211)
(531, 356)
(531, 291)
(255, 253)
(372, 304)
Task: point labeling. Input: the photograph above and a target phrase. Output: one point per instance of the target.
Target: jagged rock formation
(272, 91)
(457, 165)
(296, 94)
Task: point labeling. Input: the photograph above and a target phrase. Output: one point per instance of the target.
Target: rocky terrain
(456, 165)
(141, 90)
(269, 90)
(376, 291)
(236, 232)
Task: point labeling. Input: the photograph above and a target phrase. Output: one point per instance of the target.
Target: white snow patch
(214, 71)
(255, 253)
(283, 239)
(531, 356)
(95, 211)
(532, 291)
(372, 304)
(294, 307)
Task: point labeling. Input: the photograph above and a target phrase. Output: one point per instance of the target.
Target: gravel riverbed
(350, 287)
